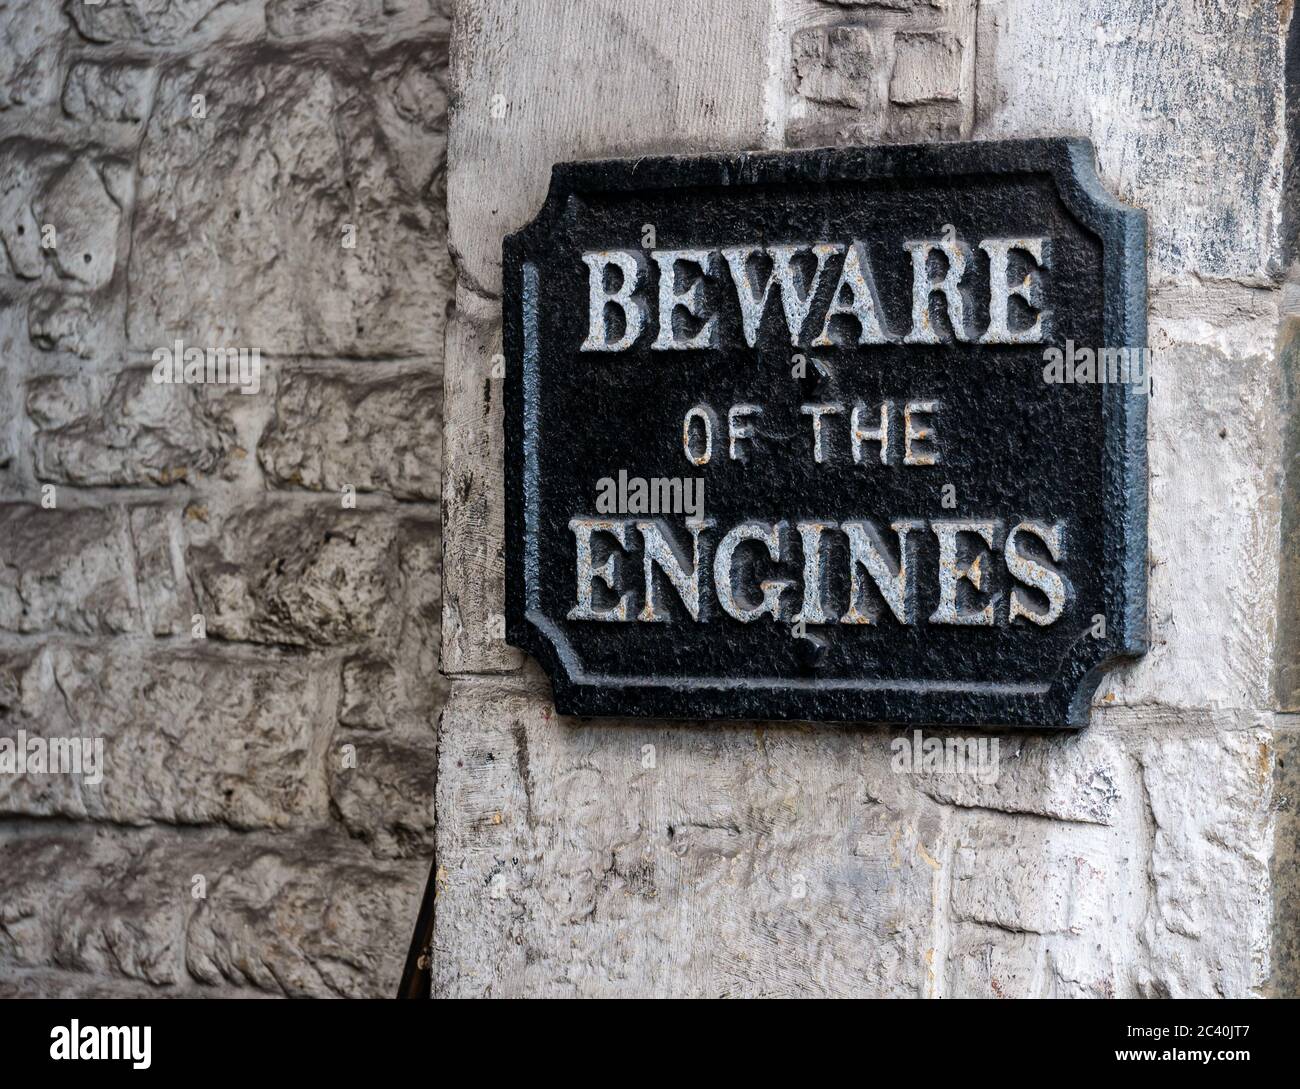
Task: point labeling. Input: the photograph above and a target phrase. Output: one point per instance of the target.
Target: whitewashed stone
(681, 84)
(1208, 925)
(1079, 870)
(473, 495)
(1070, 778)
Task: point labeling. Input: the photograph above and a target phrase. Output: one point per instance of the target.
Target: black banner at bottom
(143, 1038)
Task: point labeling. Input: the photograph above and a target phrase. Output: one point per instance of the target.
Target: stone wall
(243, 596)
(1129, 859)
(239, 593)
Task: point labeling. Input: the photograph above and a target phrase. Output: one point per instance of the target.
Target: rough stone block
(188, 737)
(113, 92)
(387, 19)
(125, 429)
(312, 920)
(842, 66)
(62, 214)
(382, 790)
(381, 435)
(320, 247)
(315, 917)
(166, 602)
(30, 37)
(315, 576)
(163, 22)
(92, 904)
(77, 203)
(65, 570)
(927, 68)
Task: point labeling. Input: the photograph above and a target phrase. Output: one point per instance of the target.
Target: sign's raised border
(1066, 701)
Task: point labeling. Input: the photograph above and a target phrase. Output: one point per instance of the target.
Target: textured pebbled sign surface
(857, 497)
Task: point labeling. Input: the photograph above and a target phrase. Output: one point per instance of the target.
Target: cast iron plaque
(848, 434)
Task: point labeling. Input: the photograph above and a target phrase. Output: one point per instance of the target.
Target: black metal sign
(852, 434)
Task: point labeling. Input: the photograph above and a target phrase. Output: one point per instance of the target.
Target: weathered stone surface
(1207, 927)
(94, 904)
(1284, 979)
(108, 91)
(221, 759)
(21, 171)
(127, 429)
(1166, 795)
(902, 74)
(77, 203)
(993, 963)
(162, 22)
(316, 921)
(1161, 107)
(166, 602)
(682, 84)
(30, 35)
(188, 738)
(734, 861)
(927, 68)
(320, 245)
(1070, 778)
(383, 792)
(62, 214)
(202, 912)
(75, 325)
(44, 983)
(330, 432)
(372, 18)
(1038, 882)
(314, 576)
(473, 496)
(65, 570)
(371, 694)
(1212, 423)
(842, 65)
(397, 697)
